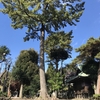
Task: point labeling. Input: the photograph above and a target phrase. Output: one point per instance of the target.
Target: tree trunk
(43, 87)
(94, 87)
(98, 81)
(61, 67)
(21, 91)
(8, 92)
(56, 63)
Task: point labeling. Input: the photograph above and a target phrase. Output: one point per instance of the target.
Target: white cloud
(73, 45)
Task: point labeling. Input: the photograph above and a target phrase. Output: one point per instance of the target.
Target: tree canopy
(32, 14)
(4, 51)
(89, 55)
(90, 49)
(91, 67)
(88, 52)
(26, 71)
(58, 47)
(25, 65)
(45, 15)
(59, 40)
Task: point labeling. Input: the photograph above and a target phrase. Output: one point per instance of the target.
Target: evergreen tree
(91, 67)
(6, 60)
(88, 52)
(54, 79)
(42, 16)
(58, 48)
(26, 71)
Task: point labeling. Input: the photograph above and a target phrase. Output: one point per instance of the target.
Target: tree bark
(43, 87)
(8, 92)
(56, 63)
(21, 91)
(98, 81)
(95, 87)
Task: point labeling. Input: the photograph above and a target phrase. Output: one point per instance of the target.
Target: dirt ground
(48, 99)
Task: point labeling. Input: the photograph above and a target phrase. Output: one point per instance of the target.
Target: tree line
(26, 68)
(48, 16)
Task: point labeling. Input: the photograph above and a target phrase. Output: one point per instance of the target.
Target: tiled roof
(78, 76)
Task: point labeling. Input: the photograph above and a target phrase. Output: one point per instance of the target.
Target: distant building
(81, 84)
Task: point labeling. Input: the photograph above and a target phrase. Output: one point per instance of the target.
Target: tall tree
(57, 46)
(42, 16)
(90, 50)
(4, 52)
(26, 69)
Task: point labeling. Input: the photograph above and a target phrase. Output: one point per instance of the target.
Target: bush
(3, 94)
(95, 97)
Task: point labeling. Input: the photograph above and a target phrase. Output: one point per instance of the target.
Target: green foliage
(96, 96)
(88, 56)
(70, 69)
(42, 15)
(4, 49)
(60, 41)
(58, 47)
(26, 71)
(58, 54)
(27, 55)
(91, 67)
(50, 70)
(25, 65)
(90, 49)
(54, 80)
(3, 94)
(52, 14)
(98, 56)
(32, 89)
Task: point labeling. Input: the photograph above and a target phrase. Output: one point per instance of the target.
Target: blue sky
(89, 26)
